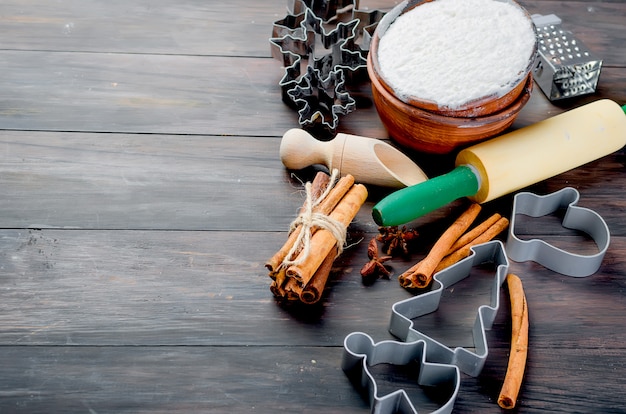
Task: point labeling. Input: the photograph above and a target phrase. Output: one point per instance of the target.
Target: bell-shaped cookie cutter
(438, 360)
(576, 218)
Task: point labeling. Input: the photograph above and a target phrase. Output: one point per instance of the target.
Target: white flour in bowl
(454, 51)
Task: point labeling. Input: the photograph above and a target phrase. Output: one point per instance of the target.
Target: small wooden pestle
(369, 160)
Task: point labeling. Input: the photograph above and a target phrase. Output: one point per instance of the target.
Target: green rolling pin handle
(417, 200)
(624, 109)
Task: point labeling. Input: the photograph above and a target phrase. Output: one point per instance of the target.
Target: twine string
(308, 220)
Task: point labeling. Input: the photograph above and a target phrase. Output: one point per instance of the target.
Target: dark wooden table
(142, 193)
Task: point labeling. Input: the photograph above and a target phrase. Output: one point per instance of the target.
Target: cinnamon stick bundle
(420, 275)
(301, 268)
(519, 343)
(323, 240)
(318, 185)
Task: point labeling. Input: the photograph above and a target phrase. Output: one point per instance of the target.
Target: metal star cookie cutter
(576, 218)
(440, 364)
(335, 58)
(313, 94)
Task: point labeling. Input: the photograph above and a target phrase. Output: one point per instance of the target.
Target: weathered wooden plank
(178, 95)
(195, 28)
(557, 380)
(72, 287)
(270, 379)
(174, 379)
(119, 181)
(159, 27)
(152, 92)
(187, 27)
(139, 181)
(141, 93)
(597, 24)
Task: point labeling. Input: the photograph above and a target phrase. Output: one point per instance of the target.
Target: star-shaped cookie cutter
(314, 94)
(438, 360)
(576, 218)
(334, 58)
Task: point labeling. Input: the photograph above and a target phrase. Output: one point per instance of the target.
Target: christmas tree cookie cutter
(439, 364)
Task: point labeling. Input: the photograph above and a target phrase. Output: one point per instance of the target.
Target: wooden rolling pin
(513, 161)
(368, 160)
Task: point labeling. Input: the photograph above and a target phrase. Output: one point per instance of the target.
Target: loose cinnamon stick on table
(490, 233)
(473, 233)
(420, 275)
(519, 343)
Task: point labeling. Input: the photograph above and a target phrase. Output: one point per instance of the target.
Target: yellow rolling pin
(513, 161)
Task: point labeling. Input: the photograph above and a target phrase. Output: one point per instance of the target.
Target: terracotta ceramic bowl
(427, 131)
(426, 126)
(476, 107)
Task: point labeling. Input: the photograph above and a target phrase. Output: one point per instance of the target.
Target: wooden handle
(298, 150)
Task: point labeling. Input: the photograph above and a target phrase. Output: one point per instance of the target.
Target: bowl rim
(460, 121)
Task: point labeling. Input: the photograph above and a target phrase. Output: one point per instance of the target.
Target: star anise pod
(395, 238)
(375, 266)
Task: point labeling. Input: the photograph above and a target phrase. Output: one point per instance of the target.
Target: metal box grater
(564, 67)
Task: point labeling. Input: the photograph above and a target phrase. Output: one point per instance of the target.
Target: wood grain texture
(136, 181)
(196, 288)
(142, 191)
(268, 379)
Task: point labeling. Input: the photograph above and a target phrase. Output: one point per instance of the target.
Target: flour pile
(454, 51)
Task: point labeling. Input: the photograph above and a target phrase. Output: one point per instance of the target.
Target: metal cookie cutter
(335, 58)
(362, 353)
(576, 218)
(438, 360)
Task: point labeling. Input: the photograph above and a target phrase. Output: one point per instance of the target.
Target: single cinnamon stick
(318, 185)
(292, 290)
(312, 292)
(344, 184)
(519, 343)
(420, 275)
(473, 233)
(498, 227)
(323, 241)
(277, 287)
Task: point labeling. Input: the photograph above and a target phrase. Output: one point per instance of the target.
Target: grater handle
(545, 20)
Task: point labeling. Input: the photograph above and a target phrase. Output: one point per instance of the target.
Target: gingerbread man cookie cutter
(363, 353)
(439, 364)
(576, 218)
